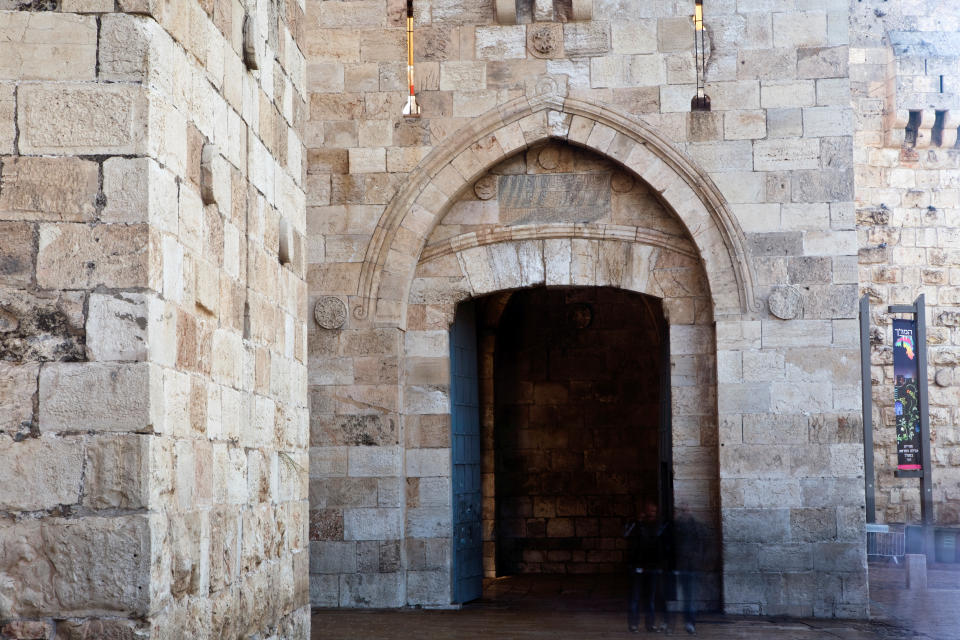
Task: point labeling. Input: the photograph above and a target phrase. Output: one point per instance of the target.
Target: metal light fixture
(412, 109)
(701, 101)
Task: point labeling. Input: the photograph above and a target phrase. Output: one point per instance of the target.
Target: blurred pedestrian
(690, 540)
(647, 569)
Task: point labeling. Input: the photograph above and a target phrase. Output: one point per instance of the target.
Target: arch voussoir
(455, 165)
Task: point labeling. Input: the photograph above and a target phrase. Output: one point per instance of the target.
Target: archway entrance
(561, 412)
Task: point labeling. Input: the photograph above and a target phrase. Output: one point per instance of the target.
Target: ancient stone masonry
(229, 268)
(153, 425)
(405, 219)
(905, 64)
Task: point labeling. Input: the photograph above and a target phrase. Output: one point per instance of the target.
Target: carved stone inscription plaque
(557, 197)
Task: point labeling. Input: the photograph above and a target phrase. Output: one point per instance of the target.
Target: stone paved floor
(586, 607)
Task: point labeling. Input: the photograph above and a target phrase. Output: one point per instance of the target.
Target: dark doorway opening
(580, 427)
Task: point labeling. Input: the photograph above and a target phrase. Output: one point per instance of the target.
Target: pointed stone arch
(401, 234)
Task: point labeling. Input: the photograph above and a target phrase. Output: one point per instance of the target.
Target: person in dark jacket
(690, 542)
(648, 569)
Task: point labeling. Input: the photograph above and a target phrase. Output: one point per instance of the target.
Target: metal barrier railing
(885, 542)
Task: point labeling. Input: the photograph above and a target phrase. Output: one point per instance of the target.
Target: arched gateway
(547, 468)
(601, 215)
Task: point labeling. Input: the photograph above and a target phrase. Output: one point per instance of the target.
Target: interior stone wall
(577, 395)
(908, 200)
(153, 426)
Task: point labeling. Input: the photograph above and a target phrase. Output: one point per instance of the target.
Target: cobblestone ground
(582, 607)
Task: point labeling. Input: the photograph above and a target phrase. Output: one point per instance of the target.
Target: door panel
(465, 417)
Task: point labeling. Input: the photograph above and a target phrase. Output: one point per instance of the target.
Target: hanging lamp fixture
(412, 109)
(701, 101)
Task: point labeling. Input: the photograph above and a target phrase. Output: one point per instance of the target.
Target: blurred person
(690, 539)
(648, 569)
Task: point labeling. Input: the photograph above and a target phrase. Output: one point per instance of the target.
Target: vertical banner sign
(906, 399)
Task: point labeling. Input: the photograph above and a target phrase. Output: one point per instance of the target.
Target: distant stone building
(267, 344)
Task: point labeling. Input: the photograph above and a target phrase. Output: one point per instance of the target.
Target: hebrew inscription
(558, 197)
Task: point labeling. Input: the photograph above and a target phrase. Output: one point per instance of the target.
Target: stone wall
(763, 184)
(908, 199)
(152, 416)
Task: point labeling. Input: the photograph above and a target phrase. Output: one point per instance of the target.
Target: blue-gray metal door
(465, 415)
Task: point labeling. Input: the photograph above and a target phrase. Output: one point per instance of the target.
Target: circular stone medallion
(486, 187)
(330, 312)
(785, 302)
(544, 41)
(549, 158)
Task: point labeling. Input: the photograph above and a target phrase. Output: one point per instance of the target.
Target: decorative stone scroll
(330, 312)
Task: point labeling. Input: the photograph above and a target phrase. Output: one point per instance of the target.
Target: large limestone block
(8, 109)
(40, 473)
(139, 190)
(74, 568)
(94, 397)
(117, 472)
(47, 46)
(371, 590)
(81, 119)
(75, 256)
(18, 384)
(372, 524)
(499, 43)
(17, 256)
(117, 327)
(29, 193)
(125, 47)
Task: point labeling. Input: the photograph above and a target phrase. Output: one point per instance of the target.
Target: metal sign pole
(866, 397)
(926, 480)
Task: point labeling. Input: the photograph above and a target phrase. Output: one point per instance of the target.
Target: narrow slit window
(913, 126)
(936, 135)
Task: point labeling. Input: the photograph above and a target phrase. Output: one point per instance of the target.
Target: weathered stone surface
(370, 590)
(590, 38)
(94, 397)
(41, 326)
(29, 194)
(81, 119)
(8, 111)
(40, 473)
(553, 198)
(18, 254)
(117, 327)
(124, 48)
(81, 256)
(116, 472)
(105, 629)
(18, 386)
(75, 567)
(28, 630)
(138, 190)
(47, 46)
